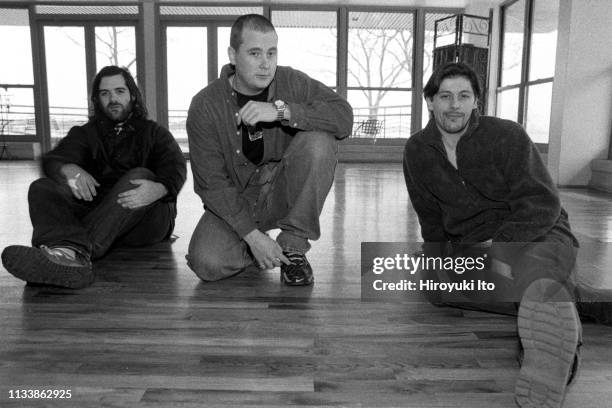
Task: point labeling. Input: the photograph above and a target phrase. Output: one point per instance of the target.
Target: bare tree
(377, 59)
(110, 45)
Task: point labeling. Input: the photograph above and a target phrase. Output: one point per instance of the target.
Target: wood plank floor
(148, 333)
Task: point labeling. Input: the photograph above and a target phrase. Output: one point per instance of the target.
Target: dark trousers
(92, 227)
(553, 256)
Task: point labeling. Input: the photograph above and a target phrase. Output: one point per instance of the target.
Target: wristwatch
(280, 106)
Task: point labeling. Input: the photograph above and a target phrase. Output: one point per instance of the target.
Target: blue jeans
(288, 194)
(92, 227)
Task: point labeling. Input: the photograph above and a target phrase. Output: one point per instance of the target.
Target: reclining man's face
(452, 105)
(255, 61)
(114, 98)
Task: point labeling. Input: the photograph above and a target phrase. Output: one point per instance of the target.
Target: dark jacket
(143, 144)
(221, 171)
(500, 191)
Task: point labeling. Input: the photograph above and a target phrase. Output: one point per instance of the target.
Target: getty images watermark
(404, 271)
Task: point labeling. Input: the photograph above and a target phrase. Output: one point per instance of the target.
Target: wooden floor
(148, 333)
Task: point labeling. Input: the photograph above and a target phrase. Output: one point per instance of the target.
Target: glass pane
(512, 52)
(538, 112)
(14, 24)
(430, 20)
(507, 104)
(381, 114)
(17, 111)
(187, 73)
(223, 41)
(66, 78)
(380, 50)
(307, 41)
(116, 46)
(543, 39)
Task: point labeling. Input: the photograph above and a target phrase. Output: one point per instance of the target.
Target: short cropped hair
(255, 22)
(452, 69)
(139, 109)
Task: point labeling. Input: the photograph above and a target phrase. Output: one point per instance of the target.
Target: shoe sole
(549, 332)
(31, 265)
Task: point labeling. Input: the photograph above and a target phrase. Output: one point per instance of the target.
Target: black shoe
(48, 266)
(299, 272)
(550, 331)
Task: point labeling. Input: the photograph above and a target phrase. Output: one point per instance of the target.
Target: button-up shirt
(221, 171)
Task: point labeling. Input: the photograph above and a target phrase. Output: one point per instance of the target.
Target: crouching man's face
(453, 104)
(255, 61)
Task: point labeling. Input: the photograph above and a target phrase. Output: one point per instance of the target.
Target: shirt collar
(229, 69)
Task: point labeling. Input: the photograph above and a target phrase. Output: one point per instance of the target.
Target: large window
(17, 113)
(307, 41)
(529, 43)
(380, 58)
(195, 40)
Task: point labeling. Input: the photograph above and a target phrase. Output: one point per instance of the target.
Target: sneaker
(550, 331)
(299, 272)
(56, 266)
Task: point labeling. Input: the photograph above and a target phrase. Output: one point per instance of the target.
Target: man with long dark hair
(114, 179)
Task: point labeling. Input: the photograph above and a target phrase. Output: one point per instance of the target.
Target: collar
(228, 70)
(129, 125)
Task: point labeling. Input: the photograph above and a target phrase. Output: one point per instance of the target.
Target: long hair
(452, 69)
(139, 109)
(255, 22)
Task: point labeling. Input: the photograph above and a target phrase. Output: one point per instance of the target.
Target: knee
(43, 186)
(124, 183)
(207, 267)
(319, 147)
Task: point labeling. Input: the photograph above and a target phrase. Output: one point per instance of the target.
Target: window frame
(525, 82)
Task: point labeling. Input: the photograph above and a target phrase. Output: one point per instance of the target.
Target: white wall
(582, 91)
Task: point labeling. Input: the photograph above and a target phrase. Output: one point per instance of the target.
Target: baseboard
(601, 175)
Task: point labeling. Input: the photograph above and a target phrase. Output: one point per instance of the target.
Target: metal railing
(374, 123)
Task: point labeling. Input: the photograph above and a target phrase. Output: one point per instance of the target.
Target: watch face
(279, 104)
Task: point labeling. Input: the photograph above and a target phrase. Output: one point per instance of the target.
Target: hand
(254, 112)
(266, 251)
(81, 183)
(146, 193)
(501, 268)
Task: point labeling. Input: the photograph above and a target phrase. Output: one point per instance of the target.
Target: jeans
(92, 227)
(288, 194)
